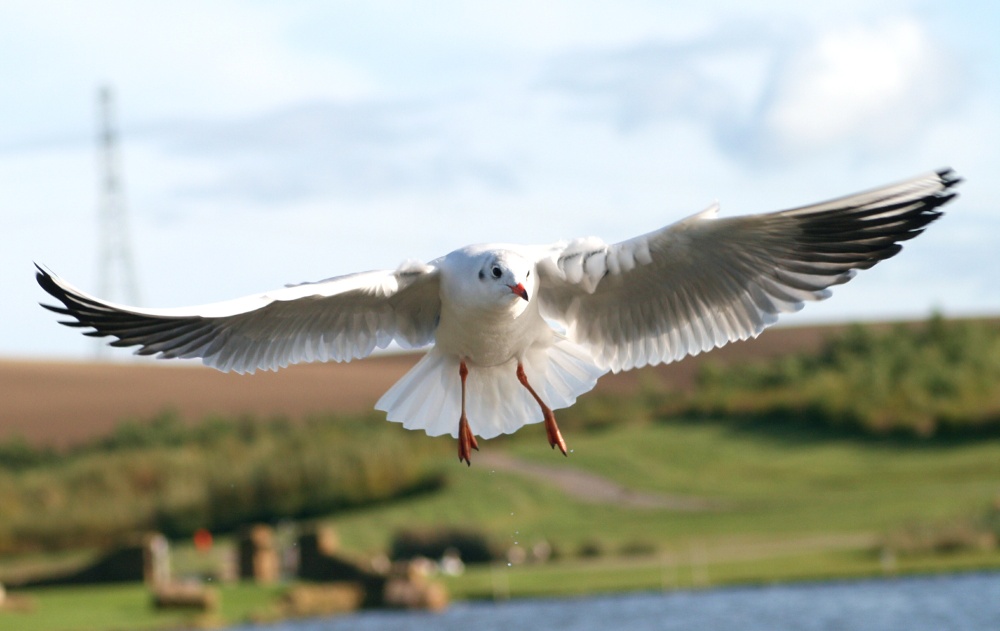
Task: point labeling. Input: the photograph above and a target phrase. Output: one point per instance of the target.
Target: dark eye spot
(497, 272)
(482, 275)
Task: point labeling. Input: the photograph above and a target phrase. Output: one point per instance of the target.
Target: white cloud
(776, 94)
(867, 87)
(372, 149)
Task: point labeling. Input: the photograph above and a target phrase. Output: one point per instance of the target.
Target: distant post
(259, 560)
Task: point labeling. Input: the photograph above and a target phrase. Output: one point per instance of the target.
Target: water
(969, 602)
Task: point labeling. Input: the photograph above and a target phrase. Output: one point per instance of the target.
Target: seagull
(519, 331)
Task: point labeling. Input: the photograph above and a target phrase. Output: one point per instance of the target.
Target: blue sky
(275, 142)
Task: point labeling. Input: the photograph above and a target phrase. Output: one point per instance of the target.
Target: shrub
(472, 546)
(177, 479)
(939, 378)
(16, 454)
(940, 538)
(591, 548)
(638, 548)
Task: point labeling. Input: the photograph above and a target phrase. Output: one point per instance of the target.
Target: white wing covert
(337, 319)
(703, 282)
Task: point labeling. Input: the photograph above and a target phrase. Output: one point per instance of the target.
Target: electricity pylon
(116, 267)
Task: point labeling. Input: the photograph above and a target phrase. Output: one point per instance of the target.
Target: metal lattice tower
(116, 268)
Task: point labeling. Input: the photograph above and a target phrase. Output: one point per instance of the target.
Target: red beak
(519, 290)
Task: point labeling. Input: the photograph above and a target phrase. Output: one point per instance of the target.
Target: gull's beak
(519, 290)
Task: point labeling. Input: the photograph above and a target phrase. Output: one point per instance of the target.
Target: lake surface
(968, 602)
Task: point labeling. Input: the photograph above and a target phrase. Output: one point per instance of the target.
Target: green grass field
(788, 504)
(768, 484)
(813, 475)
(127, 608)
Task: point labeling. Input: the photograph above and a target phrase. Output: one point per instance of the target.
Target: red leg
(555, 437)
(466, 441)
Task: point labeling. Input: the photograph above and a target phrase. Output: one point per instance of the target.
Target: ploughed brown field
(62, 403)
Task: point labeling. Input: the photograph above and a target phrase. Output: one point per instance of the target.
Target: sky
(265, 143)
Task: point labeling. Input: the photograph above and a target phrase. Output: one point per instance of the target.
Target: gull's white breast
(475, 327)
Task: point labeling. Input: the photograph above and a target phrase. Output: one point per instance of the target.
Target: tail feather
(429, 397)
(425, 398)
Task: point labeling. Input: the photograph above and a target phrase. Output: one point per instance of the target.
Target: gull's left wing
(338, 319)
(703, 282)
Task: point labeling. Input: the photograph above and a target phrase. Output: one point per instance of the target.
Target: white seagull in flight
(518, 331)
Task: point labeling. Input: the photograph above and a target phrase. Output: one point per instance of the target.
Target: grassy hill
(778, 505)
(655, 493)
(164, 474)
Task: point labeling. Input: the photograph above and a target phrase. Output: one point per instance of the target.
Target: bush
(638, 548)
(472, 546)
(940, 538)
(592, 548)
(220, 475)
(939, 378)
(16, 454)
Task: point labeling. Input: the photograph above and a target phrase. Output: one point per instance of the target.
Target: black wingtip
(44, 279)
(948, 177)
(47, 282)
(40, 273)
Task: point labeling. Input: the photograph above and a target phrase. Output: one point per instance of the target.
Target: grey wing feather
(338, 319)
(703, 282)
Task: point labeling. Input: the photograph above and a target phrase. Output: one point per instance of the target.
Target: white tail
(429, 397)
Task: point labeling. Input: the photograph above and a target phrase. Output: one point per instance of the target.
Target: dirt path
(591, 488)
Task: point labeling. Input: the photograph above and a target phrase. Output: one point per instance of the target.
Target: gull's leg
(466, 441)
(555, 437)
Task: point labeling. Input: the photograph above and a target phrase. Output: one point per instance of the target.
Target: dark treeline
(938, 378)
(218, 474)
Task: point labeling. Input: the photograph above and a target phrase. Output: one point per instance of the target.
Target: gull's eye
(497, 272)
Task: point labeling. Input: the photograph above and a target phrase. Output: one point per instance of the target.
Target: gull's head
(490, 277)
(507, 276)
